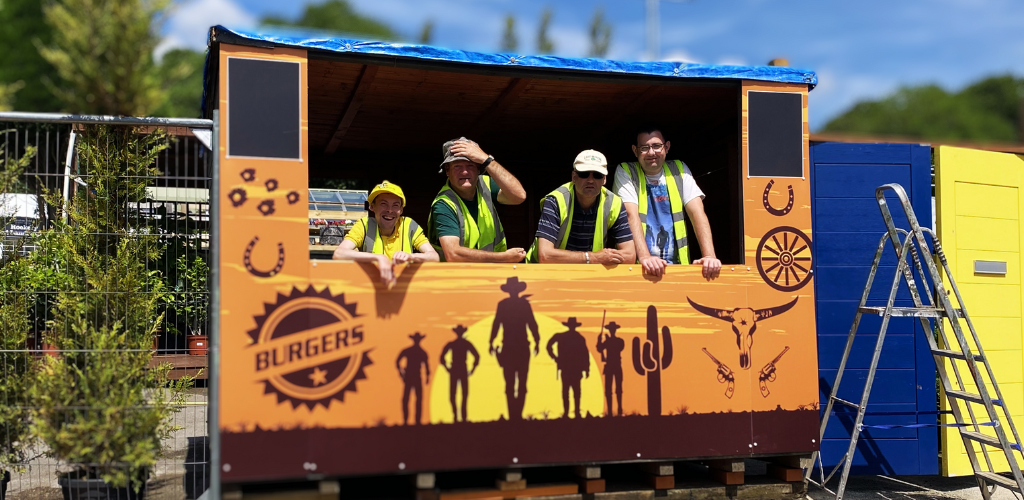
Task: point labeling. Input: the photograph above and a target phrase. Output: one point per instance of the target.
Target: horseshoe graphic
(768, 206)
(246, 259)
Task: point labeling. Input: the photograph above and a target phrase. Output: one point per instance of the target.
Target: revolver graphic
(724, 375)
(768, 374)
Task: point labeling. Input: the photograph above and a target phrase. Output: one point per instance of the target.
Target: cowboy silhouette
(514, 315)
(573, 360)
(415, 358)
(611, 348)
(460, 349)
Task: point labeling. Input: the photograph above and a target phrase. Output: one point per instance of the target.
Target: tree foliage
(103, 52)
(336, 15)
(544, 43)
(986, 111)
(181, 71)
(509, 41)
(600, 34)
(22, 26)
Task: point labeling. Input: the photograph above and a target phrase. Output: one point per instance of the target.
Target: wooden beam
(630, 108)
(727, 478)
(362, 88)
(727, 465)
(785, 473)
(515, 88)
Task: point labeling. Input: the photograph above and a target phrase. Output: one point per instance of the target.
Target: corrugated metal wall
(847, 228)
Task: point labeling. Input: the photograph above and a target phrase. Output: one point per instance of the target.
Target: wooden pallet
(184, 364)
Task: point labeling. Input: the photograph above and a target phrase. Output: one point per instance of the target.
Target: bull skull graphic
(744, 323)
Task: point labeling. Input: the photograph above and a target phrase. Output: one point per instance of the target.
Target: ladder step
(957, 355)
(982, 438)
(845, 402)
(914, 312)
(999, 479)
(967, 396)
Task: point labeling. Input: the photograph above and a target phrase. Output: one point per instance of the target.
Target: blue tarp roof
(426, 52)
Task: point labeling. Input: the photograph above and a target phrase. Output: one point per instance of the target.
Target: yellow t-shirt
(391, 244)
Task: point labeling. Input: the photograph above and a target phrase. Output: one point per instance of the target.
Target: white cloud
(731, 61)
(190, 23)
(679, 55)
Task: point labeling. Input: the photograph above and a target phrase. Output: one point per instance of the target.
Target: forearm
(508, 183)
(425, 257)
(703, 233)
(354, 255)
(628, 250)
(548, 254)
(463, 254)
(639, 241)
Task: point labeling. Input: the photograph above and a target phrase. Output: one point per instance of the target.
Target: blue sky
(860, 49)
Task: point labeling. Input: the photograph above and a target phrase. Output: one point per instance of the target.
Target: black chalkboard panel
(775, 125)
(263, 109)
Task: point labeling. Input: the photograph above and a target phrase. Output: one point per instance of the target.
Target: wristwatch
(483, 166)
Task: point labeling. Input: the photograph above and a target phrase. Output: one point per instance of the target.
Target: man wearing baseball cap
(582, 221)
(386, 238)
(463, 225)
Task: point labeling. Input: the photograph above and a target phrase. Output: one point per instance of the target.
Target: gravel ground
(908, 487)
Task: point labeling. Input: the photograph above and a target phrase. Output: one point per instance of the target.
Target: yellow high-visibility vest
(486, 232)
(608, 207)
(373, 244)
(674, 173)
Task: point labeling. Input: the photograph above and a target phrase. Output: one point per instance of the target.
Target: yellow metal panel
(978, 199)
(1000, 202)
(982, 233)
(965, 267)
(1001, 301)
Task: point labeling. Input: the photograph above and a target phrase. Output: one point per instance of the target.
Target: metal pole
(18, 116)
(653, 29)
(213, 414)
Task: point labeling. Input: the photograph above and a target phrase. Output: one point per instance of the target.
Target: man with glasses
(657, 197)
(463, 225)
(582, 222)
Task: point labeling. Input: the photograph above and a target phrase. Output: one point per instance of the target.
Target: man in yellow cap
(386, 238)
(582, 222)
(463, 225)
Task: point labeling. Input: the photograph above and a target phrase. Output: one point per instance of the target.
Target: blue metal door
(847, 228)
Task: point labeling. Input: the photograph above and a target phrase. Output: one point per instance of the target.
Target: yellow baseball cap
(386, 187)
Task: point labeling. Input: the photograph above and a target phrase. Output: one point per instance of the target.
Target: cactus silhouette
(645, 360)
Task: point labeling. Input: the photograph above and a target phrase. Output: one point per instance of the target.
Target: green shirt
(443, 221)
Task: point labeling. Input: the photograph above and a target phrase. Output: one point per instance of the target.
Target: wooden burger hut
(313, 358)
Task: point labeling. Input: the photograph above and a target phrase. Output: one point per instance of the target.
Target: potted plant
(192, 301)
(99, 407)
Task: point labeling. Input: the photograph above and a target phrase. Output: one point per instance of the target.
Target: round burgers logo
(308, 347)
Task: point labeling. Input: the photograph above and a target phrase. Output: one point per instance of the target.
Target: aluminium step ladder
(935, 305)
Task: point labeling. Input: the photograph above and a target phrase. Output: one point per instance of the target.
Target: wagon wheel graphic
(784, 258)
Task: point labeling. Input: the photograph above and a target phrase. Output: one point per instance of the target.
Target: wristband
(587, 255)
(483, 166)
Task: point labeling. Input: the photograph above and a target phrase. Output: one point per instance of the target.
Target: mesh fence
(104, 309)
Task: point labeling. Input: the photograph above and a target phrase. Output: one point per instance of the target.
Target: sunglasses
(586, 175)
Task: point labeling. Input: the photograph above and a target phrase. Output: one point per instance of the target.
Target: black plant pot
(74, 487)
(197, 467)
(4, 479)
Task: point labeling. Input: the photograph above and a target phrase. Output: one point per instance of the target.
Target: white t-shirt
(659, 231)
(624, 187)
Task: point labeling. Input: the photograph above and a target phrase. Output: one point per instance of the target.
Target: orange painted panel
(324, 371)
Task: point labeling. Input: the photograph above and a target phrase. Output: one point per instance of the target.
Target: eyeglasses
(586, 175)
(656, 147)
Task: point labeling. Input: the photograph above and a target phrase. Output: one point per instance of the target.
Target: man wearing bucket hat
(658, 197)
(385, 237)
(463, 225)
(582, 221)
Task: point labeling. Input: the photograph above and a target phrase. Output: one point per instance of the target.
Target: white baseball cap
(591, 161)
